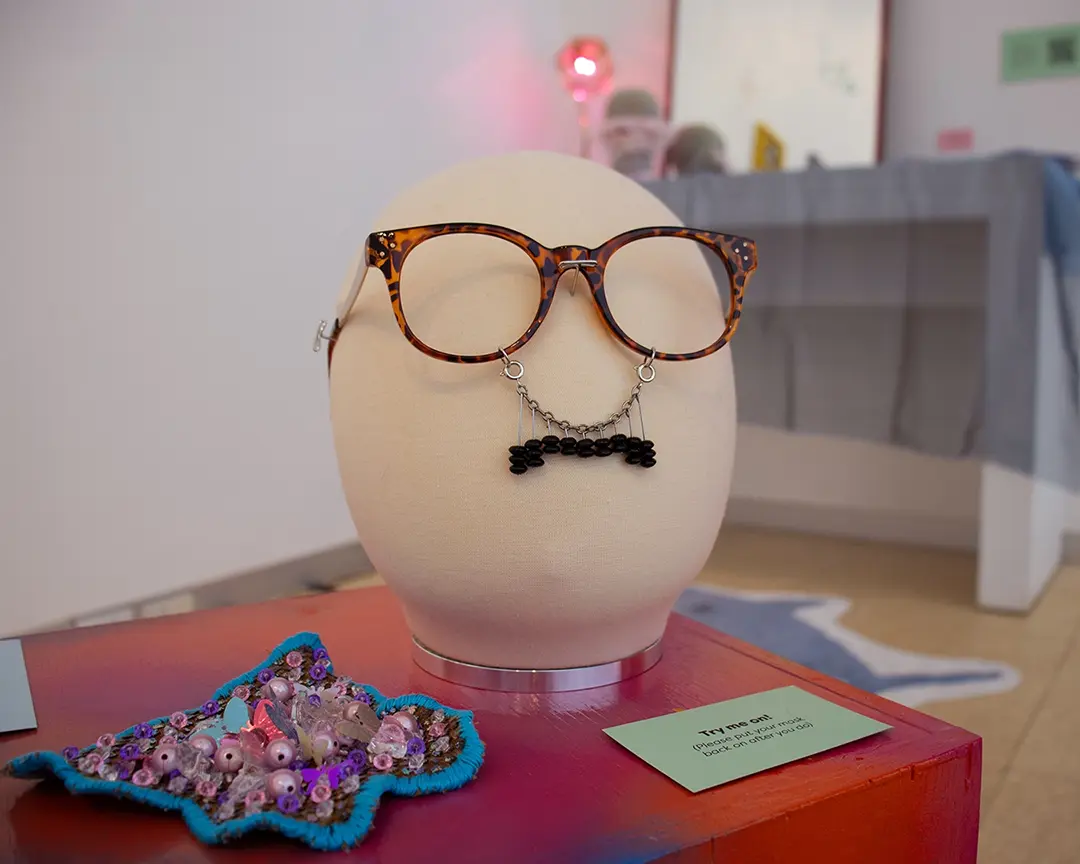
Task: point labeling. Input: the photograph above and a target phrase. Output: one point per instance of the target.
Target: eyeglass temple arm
(346, 301)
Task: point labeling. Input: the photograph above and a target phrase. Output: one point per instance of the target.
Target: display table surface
(553, 788)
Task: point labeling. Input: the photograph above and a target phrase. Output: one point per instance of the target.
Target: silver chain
(552, 420)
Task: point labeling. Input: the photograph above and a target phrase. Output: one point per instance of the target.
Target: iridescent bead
(282, 782)
(279, 753)
(229, 757)
(406, 721)
(324, 743)
(164, 759)
(204, 743)
(278, 689)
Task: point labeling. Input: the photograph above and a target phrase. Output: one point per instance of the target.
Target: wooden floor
(923, 600)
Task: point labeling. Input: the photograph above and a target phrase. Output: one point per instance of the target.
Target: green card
(715, 744)
(1050, 52)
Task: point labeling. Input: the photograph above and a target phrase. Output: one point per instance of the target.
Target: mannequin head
(578, 562)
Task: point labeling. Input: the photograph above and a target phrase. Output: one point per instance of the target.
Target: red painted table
(553, 788)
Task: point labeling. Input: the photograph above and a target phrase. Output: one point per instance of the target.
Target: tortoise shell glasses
(387, 250)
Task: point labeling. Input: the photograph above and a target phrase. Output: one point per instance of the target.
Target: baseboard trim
(314, 573)
(855, 523)
(324, 571)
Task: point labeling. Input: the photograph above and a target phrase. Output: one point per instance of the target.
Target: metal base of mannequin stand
(535, 680)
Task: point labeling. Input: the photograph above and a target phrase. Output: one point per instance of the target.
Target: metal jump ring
(647, 367)
(507, 363)
(642, 370)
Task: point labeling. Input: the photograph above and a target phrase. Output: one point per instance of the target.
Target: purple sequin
(265, 675)
(144, 730)
(71, 753)
(414, 746)
(129, 752)
(314, 699)
(123, 772)
(318, 672)
(358, 758)
(288, 803)
(210, 706)
(320, 654)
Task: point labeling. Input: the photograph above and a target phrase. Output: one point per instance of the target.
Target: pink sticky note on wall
(958, 140)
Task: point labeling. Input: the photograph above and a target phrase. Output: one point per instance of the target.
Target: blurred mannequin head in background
(634, 133)
(696, 149)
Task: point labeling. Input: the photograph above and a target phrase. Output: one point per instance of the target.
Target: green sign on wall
(1052, 52)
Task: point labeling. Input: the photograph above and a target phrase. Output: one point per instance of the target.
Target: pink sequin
(106, 741)
(205, 788)
(178, 719)
(382, 762)
(242, 691)
(169, 739)
(255, 798)
(144, 777)
(90, 763)
(437, 730)
(320, 793)
(294, 659)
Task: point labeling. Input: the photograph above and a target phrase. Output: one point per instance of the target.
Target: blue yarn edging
(340, 835)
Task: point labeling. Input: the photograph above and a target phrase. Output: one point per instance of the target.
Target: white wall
(808, 70)
(944, 72)
(182, 186)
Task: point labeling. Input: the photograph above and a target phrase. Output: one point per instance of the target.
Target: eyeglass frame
(387, 251)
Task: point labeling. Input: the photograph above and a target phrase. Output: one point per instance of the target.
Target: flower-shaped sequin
(308, 756)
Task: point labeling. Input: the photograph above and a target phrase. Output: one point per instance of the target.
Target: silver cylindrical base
(535, 680)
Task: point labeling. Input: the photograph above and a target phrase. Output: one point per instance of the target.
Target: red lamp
(586, 69)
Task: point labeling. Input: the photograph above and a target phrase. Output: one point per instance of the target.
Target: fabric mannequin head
(580, 562)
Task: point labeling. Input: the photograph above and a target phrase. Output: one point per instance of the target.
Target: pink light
(584, 66)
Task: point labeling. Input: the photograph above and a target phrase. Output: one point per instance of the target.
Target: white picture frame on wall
(809, 73)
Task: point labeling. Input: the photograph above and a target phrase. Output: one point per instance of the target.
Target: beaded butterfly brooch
(288, 747)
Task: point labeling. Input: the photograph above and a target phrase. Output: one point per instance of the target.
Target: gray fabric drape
(909, 304)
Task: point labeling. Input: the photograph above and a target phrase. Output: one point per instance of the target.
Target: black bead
(633, 458)
(647, 462)
(618, 436)
(568, 446)
(647, 452)
(603, 451)
(518, 469)
(586, 442)
(535, 461)
(519, 460)
(517, 450)
(533, 444)
(645, 445)
(586, 452)
(551, 443)
(633, 444)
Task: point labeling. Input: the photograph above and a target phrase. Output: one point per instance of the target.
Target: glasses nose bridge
(575, 258)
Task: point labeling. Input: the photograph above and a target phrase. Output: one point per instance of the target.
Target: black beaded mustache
(637, 451)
